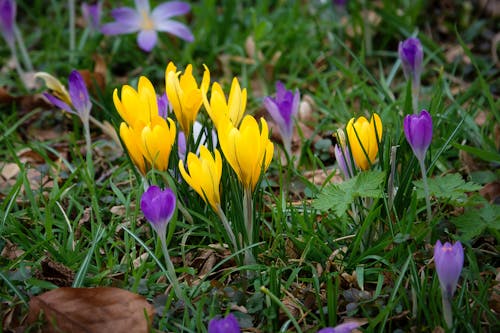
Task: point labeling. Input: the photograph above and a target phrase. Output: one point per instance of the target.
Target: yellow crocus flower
(363, 141)
(247, 149)
(149, 145)
(140, 105)
(204, 175)
(184, 95)
(220, 108)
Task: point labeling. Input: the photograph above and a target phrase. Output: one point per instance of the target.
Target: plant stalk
(426, 190)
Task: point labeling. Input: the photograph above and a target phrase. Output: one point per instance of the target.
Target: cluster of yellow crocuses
(149, 138)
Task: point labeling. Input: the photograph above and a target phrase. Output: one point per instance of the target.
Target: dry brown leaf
(11, 251)
(55, 272)
(90, 310)
(9, 170)
(491, 191)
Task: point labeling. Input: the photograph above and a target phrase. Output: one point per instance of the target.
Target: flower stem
(88, 147)
(227, 227)
(171, 276)
(19, 70)
(447, 311)
(71, 8)
(22, 48)
(248, 217)
(415, 91)
(426, 190)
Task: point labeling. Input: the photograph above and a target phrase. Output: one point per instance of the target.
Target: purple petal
(158, 207)
(411, 55)
(224, 325)
(58, 103)
(163, 105)
(418, 132)
(92, 15)
(79, 94)
(449, 261)
(126, 15)
(181, 145)
(275, 112)
(342, 328)
(119, 28)
(175, 28)
(7, 19)
(170, 9)
(147, 39)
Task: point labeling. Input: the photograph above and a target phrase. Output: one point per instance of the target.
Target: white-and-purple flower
(79, 96)
(283, 109)
(148, 23)
(8, 20)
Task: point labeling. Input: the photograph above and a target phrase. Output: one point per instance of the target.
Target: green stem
(22, 48)
(227, 227)
(171, 276)
(415, 91)
(447, 311)
(19, 70)
(88, 147)
(426, 190)
(248, 217)
(282, 306)
(71, 8)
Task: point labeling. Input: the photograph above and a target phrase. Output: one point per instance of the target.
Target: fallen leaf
(102, 309)
(55, 272)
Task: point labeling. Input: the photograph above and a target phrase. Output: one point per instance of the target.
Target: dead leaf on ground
(491, 191)
(55, 272)
(90, 310)
(11, 251)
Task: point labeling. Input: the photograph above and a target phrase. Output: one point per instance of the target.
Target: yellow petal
(131, 140)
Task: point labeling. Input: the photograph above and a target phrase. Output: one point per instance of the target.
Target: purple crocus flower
(158, 207)
(8, 20)
(79, 96)
(342, 328)
(224, 325)
(163, 105)
(418, 132)
(449, 260)
(147, 22)
(92, 15)
(343, 157)
(411, 54)
(283, 109)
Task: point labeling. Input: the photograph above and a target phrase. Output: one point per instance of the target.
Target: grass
(315, 266)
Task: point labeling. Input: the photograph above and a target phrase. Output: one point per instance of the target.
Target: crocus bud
(411, 55)
(342, 328)
(418, 132)
(224, 325)
(7, 20)
(158, 207)
(449, 260)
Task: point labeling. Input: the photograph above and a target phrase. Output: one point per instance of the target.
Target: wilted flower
(204, 175)
(411, 55)
(364, 138)
(283, 109)
(158, 207)
(8, 20)
(147, 136)
(92, 15)
(147, 22)
(219, 109)
(342, 328)
(449, 260)
(247, 149)
(184, 94)
(224, 325)
(418, 132)
(78, 95)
